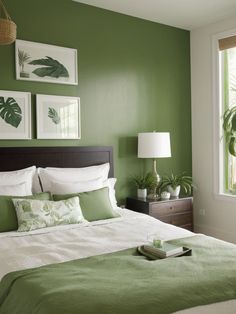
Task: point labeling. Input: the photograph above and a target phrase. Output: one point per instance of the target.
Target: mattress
(64, 243)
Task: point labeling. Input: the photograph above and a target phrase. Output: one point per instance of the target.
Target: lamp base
(154, 195)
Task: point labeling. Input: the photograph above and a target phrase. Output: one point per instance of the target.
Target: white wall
(220, 216)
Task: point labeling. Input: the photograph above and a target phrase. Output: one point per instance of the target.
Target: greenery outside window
(227, 73)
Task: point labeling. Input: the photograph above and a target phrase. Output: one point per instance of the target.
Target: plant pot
(142, 193)
(24, 74)
(165, 195)
(173, 192)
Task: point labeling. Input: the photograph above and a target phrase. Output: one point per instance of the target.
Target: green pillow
(95, 205)
(8, 218)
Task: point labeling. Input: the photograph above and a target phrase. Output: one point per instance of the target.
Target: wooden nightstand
(178, 212)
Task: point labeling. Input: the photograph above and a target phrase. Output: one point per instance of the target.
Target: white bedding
(63, 243)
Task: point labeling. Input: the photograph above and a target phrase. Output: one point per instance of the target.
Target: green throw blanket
(125, 282)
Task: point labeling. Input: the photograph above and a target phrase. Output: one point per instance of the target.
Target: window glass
(228, 73)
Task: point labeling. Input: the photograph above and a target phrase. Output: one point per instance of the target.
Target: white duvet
(63, 243)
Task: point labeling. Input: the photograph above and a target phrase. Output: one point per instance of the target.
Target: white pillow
(75, 187)
(36, 186)
(36, 214)
(14, 190)
(112, 193)
(70, 175)
(15, 177)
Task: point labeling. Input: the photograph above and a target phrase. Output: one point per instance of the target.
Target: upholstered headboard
(13, 158)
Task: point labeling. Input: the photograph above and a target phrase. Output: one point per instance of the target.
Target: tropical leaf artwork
(10, 111)
(51, 68)
(53, 114)
(23, 57)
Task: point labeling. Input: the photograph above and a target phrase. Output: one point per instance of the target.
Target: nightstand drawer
(167, 208)
(181, 219)
(177, 212)
(177, 220)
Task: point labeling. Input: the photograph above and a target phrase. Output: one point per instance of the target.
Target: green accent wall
(134, 76)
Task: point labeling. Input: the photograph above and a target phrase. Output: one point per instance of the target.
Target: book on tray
(166, 250)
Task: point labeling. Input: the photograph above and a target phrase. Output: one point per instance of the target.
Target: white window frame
(217, 101)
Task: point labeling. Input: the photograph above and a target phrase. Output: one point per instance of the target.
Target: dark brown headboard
(13, 158)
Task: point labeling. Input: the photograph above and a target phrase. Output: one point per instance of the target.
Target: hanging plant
(7, 27)
(229, 126)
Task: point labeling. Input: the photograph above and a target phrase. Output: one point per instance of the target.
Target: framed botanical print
(45, 63)
(58, 117)
(15, 115)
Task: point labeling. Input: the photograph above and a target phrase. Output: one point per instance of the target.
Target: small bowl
(165, 195)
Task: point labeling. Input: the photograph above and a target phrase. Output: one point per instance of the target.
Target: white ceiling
(186, 14)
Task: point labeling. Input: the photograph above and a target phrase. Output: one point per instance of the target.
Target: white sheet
(63, 243)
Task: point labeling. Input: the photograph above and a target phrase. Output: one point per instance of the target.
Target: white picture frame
(58, 117)
(15, 115)
(45, 63)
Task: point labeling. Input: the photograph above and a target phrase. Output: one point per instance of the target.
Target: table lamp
(154, 145)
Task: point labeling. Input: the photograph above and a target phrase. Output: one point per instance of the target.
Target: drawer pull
(171, 207)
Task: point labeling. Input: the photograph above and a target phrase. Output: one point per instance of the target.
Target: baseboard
(215, 232)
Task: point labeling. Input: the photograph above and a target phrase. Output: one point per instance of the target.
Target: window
(227, 115)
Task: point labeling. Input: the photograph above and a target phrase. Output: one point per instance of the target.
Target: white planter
(142, 193)
(173, 192)
(165, 195)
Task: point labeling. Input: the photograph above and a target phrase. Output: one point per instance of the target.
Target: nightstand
(178, 212)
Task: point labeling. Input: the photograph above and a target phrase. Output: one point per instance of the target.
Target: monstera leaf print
(53, 114)
(52, 68)
(10, 111)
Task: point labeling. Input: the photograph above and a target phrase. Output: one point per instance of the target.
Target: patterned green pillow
(36, 214)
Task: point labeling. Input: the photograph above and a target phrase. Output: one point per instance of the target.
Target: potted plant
(174, 183)
(144, 182)
(23, 57)
(229, 126)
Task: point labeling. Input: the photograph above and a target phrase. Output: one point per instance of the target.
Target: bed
(94, 267)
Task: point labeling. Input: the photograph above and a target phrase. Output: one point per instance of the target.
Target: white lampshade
(154, 145)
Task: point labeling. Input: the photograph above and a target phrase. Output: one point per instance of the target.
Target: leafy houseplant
(229, 126)
(144, 182)
(175, 182)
